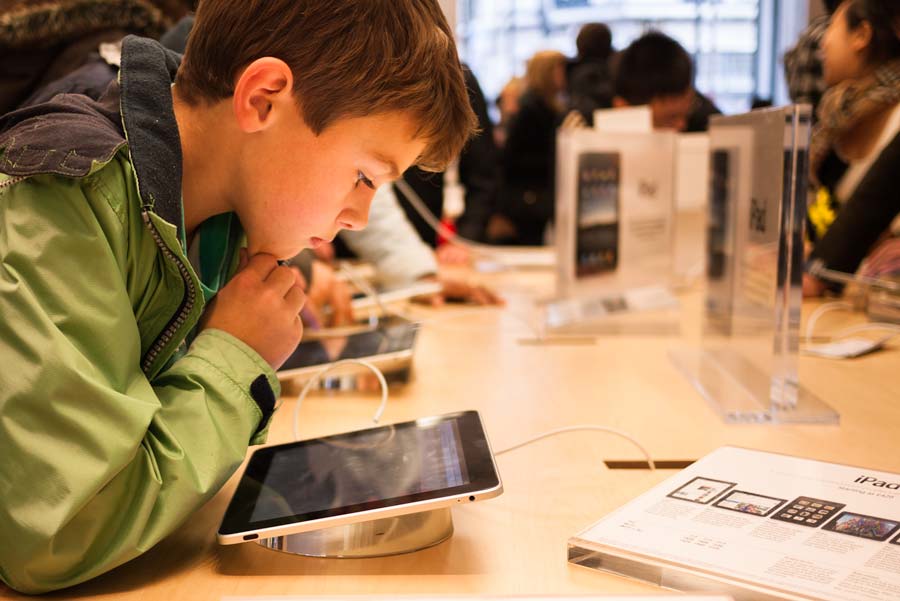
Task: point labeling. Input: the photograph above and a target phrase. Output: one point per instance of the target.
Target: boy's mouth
(316, 242)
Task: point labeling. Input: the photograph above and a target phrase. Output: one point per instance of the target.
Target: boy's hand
(260, 306)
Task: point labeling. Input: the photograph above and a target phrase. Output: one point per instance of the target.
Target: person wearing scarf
(855, 150)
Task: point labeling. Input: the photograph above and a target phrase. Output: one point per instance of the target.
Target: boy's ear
(619, 102)
(264, 88)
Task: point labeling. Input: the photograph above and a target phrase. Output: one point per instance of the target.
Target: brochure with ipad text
(758, 525)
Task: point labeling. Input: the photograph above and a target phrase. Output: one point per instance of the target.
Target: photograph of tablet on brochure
(701, 490)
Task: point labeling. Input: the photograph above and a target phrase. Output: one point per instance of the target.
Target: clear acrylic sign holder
(747, 363)
(615, 226)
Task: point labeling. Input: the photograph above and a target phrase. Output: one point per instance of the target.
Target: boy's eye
(361, 177)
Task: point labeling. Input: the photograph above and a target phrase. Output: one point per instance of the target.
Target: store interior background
(737, 44)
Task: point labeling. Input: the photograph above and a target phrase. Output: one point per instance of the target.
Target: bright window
(736, 44)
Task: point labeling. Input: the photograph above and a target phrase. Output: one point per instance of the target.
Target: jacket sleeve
(98, 463)
(391, 243)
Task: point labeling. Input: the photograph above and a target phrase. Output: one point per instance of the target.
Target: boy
(139, 343)
(657, 71)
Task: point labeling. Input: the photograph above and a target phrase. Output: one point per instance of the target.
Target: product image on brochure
(863, 526)
(807, 511)
(701, 490)
(751, 503)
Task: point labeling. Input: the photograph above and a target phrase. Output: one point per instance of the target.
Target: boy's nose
(356, 215)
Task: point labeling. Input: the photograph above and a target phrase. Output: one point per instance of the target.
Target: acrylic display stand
(746, 366)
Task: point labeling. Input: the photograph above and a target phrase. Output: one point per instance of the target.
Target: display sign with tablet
(615, 207)
(404, 468)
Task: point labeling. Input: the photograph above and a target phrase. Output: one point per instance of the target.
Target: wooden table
(516, 544)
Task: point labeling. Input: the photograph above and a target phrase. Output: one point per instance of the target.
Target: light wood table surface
(472, 358)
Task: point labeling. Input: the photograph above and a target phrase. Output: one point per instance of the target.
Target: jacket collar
(148, 117)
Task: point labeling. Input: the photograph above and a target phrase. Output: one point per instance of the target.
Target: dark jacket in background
(478, 172)
(590, 87)
(529, 165)
(42, 41)
(702, 109)
(865, 216)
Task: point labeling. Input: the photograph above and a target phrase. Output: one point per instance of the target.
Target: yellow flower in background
(821, 213)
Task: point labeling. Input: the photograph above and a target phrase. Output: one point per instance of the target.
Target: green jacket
(112, 428)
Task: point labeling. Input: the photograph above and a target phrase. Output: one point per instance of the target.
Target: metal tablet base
(376, 538)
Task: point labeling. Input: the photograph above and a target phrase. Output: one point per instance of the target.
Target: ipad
(363, 302)
(359, 476)
(388, 346)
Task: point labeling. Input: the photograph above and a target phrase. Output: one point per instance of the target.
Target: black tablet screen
(362, 470)
(389, 338)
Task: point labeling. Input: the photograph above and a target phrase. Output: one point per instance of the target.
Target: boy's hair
(883, 17)
(654, 65)
(594, 41)
(350, 58)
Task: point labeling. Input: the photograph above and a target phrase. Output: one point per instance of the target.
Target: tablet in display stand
(615, 206)
(367, 493)
(746, 363)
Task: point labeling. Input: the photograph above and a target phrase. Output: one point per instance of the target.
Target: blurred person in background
(656, 70)
(855, 149)
(508, 105)
(526, 199)
(479, 175)
(803, 62)
(590, 76)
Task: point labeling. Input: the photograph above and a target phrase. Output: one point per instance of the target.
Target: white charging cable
(819, 312)
(871, 327)
(434, 223)
(329, 368)
(591, 428)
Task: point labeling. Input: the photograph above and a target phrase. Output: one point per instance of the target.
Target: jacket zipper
(187, 303)
(12, 182)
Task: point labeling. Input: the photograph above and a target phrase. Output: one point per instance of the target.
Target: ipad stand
(375, 538)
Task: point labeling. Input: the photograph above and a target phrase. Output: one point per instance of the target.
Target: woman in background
(855, 152)
(529, 157)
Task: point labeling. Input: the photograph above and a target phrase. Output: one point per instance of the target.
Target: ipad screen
(362, 470)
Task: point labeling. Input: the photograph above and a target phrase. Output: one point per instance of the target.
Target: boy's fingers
(295, 298)
(243, 258)
(262, 265)
(283, 279)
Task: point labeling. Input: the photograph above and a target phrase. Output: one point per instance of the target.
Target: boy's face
(299, 189)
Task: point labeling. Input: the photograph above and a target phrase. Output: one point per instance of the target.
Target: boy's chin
(282, 252)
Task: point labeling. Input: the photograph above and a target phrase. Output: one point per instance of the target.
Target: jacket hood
(70, 133)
